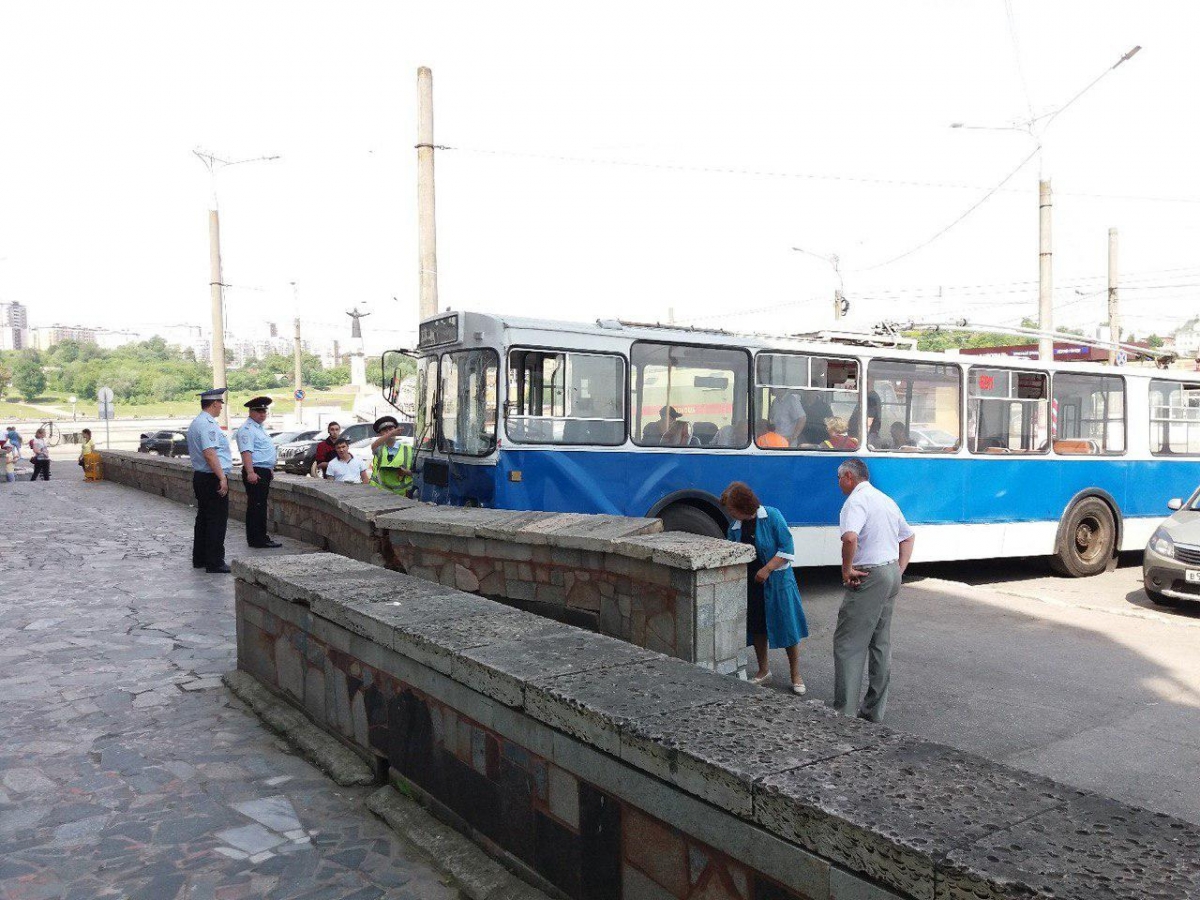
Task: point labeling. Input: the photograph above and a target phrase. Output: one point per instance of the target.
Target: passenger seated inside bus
(653, 433)
(838, 438)
(704, 432)
(816, 411)
(770, 438)
(899, 435)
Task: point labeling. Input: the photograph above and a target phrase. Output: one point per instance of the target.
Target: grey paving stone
(125, 800)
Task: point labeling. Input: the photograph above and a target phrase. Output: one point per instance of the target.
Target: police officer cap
(383, 422)
(214, 394)
(258, 404)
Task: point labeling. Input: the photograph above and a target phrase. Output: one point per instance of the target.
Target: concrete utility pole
(299, 376)
(1045, 274)
(426, 220)
(337, 357)
(217, 296)
(1114, 318)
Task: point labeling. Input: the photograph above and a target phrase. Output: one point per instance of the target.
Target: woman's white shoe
(760, 679)
(799, 688)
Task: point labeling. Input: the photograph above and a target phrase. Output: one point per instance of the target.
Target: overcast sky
(720, 136)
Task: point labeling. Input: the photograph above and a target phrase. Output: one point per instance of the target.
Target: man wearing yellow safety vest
(392, 460)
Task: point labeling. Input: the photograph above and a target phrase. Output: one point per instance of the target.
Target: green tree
(1155, 341)
(28, 378)
(6, 376)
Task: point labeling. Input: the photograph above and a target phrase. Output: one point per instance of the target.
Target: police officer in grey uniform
(258, 466)
(212, 461)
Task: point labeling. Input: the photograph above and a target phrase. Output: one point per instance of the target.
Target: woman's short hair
(837, 424)
(739, 498)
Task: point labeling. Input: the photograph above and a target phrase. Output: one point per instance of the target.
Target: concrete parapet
(607, 768)
(673, 593)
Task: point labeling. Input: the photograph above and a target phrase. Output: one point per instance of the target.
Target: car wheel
(681, 517)
(1086, 539)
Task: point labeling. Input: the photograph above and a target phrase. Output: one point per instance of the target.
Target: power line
(806, 176)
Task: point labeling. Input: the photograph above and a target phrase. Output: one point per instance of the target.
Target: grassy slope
(13, 408)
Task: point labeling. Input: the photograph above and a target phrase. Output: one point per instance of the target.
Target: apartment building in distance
(14, 326)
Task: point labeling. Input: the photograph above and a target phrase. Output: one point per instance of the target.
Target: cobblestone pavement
(126, 768)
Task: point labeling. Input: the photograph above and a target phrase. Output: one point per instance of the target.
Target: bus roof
(633, 331)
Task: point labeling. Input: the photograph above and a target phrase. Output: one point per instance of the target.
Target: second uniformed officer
(212, 461)
(258, 466)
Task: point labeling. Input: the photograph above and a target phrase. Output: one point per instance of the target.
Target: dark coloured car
(164, 443)
(298, 456)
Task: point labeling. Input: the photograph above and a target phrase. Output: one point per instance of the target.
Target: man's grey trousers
(864, 628)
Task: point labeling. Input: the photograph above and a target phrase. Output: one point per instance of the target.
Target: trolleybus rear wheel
(1086, 539)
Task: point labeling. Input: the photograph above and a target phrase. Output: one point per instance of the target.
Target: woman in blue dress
(774, 613)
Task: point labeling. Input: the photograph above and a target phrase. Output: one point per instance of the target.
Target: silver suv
(1171, 566)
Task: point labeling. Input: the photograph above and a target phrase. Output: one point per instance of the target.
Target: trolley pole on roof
(1045, 274)
(426, 220)
(1114, 318)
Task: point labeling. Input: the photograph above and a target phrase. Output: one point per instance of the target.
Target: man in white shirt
(346, 468)
(877, 544)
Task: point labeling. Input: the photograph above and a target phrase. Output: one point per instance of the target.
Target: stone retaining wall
(678, 594)
(610, 771)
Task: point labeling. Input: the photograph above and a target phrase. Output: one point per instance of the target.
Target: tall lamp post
(216, 287)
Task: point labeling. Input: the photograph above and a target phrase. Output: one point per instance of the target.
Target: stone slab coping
(637, 538)
(919, 817)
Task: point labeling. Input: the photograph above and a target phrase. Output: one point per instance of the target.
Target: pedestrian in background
(774, 612)
(392, 460)
(212, 462)
(877, 544)
(258, 467)
(86, 449)
(347, 468)
(325, 450)
(41, 456)
(8, 461)
(14, 440)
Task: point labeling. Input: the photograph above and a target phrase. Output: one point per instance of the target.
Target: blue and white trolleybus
(988, 457)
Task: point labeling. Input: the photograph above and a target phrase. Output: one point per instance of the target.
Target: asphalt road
(1082, 680)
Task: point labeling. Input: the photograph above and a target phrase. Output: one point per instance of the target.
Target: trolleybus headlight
(1162, 544)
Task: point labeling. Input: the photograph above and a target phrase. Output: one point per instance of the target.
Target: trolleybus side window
(1089, 414)
(469, 402)
(556, 397)
(1174, 418)
(919, 406)
(1008, 411)
(687, 396)
(807, 402)
(427, 381)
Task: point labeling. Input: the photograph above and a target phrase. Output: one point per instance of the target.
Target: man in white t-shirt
(346, 468)
(877, 544)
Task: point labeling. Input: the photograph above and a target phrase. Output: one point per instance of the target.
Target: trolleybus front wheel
(1086, 539)
(681, 517)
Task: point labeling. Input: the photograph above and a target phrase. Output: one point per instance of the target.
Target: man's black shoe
(222, 569)
(269, 545)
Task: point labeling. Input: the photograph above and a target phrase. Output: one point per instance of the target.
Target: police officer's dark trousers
(212, 515)
(256, 507)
